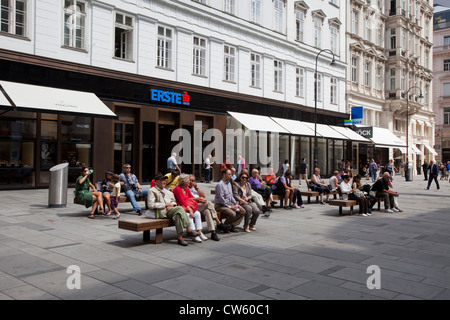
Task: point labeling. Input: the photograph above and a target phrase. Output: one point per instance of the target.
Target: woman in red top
(270, 177)
(186, 200)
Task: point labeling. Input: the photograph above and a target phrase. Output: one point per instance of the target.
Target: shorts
(114, 203)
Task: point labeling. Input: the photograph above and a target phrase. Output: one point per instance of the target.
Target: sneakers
(197, 239)
(395, 210)
(388, 210)
(288, 208)
(364, 215)
(295, 206)
(214, 236)
(203, 237)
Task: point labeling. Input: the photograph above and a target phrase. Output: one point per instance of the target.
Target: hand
(202, 200)
(169, 206)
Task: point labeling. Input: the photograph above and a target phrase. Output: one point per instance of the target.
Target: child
(115, 196)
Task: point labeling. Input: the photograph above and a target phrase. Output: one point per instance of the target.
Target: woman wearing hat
(92, 199)
(107, 187)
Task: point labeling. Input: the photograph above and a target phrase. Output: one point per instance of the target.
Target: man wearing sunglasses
(132, 187)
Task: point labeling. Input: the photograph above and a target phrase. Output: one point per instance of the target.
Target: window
(334, 39)
(379, 36)
(403, 38)
(278, 75)
(367, 29)
(367, 74)
(123, 45)
(13, 15)
(317, 33)
(299, 25)
(393, 39)
(402, 82)
(354, 22)
(427, 94)
(164, 48)
(229, 58)
(447, 65)
(446, 115)
(199, 56)
(229, 6)
(379, 78)
(333, 91)
(278, 15)
(354, 69)
(255, 62)
(446, 40)
(392, 76)
(300, 82)
(75, 24)
(256, 11)
(335, 2)
(446, 89)
(319, 86)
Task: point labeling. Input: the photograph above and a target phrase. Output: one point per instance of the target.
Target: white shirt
(345, 189)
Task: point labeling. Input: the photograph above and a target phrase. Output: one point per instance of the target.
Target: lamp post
(333, 63)
(408, 173)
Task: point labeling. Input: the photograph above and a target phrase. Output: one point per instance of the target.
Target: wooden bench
(123, 199)
(146, 224)
(343, 203)
(310, 193)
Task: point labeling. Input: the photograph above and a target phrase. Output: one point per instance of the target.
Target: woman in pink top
(186, 200)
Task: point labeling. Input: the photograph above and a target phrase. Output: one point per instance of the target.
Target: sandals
(116, 216)
(91, 216)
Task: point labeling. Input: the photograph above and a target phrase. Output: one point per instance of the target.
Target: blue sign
(170, 97)
(357, 115)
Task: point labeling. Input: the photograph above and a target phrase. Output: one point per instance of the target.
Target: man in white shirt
(172, 163)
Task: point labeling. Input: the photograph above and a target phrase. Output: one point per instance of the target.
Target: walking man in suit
(425, 170)
(434, 171)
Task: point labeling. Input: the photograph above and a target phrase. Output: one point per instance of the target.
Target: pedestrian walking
(434, 171)
(425, 170)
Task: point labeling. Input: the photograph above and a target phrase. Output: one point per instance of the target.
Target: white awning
(431, 149)
(295, 127)
(350, 134)
(325, 131)
(258, 123)
(384, 138)
(415, 149)
(52, 100)
(3, 101)
(402, 149)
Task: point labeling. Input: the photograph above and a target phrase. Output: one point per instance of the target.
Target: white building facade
(244, 53)
(390, 55)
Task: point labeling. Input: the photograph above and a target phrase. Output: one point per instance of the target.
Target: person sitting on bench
(318, 185)
(164, 205)
(132, 187)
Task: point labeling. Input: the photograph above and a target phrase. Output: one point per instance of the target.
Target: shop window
(76, 143)
(17, 152)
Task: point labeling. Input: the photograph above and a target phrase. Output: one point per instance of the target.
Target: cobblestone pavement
(310, 253)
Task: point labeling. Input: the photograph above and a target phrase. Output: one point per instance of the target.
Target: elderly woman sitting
(242, 193)
(186, 200)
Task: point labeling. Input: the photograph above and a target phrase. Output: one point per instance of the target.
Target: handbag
(190, 202)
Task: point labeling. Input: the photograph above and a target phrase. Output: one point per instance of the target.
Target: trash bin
(57, 191)
(408, 173)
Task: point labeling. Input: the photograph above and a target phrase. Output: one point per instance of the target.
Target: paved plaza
(310, 253)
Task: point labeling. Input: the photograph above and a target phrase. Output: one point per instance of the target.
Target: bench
(343, 203)
(123, 199)
(146, 224)
(310, 193)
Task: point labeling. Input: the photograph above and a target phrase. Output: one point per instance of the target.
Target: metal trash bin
(57, 191)
(408, 173)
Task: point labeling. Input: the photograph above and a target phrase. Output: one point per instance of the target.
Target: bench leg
(340, 210)
(351, 210)
(147, 235)
(379, 205)
(159, 236)
(309, 199)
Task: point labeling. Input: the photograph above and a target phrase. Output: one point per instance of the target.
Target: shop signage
(170, 97)
(357, 115)
(366, 132)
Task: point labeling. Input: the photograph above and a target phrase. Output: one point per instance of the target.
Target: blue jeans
(131, 196)
(374, 175)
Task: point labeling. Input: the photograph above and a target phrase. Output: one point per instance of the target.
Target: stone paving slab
(311, 253)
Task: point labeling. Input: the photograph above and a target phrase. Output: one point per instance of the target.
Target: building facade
(441, 82)
(167, 65)
(390, 58)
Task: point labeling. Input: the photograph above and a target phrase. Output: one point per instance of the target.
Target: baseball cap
(160, 177)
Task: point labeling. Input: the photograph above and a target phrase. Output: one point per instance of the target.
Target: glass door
(123, 145)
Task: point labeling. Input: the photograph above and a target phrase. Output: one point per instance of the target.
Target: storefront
(150, 118)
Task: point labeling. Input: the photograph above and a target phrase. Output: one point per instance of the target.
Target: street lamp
(408, 173)
(333, 63)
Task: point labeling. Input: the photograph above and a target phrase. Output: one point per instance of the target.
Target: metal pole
(408, 174)
(333, 62)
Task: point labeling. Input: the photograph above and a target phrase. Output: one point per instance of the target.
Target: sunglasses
(244, 177)
(127, 167)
